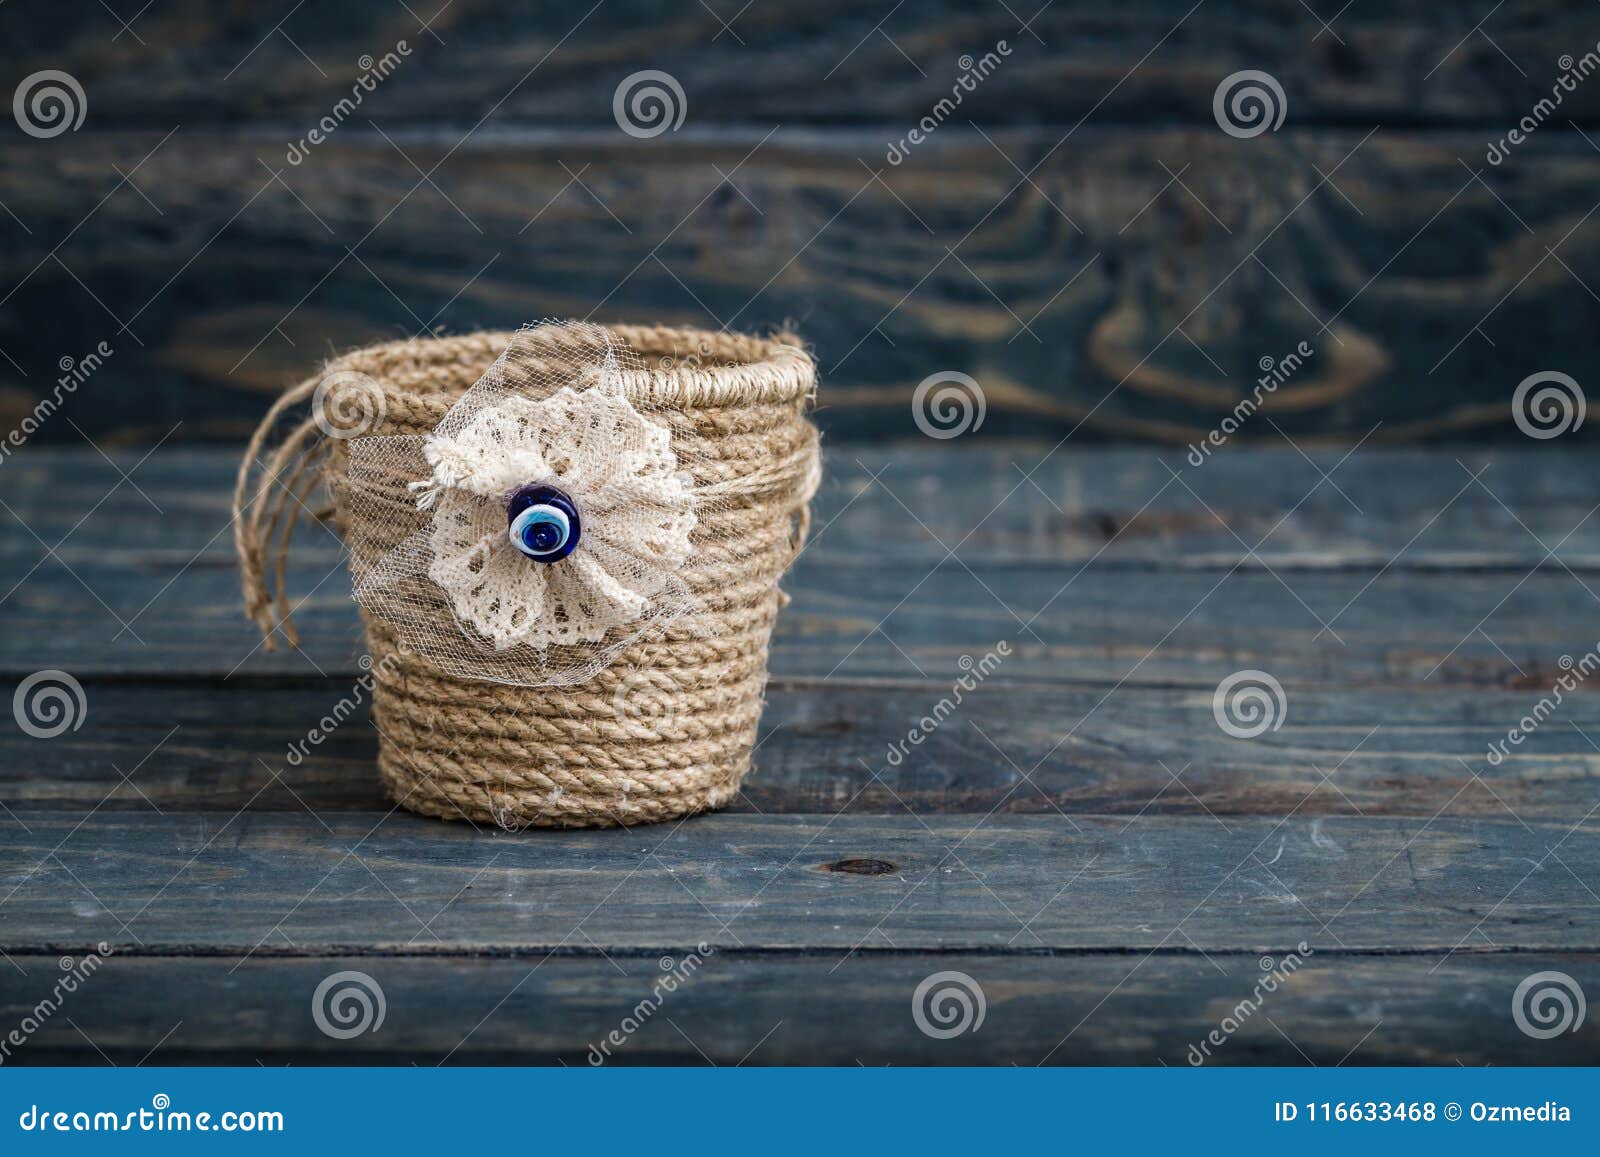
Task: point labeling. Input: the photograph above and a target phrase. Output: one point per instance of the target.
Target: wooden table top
(1079, 836)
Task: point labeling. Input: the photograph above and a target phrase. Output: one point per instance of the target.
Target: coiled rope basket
(667, 727)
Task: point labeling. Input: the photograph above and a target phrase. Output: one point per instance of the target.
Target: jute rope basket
(667, 728)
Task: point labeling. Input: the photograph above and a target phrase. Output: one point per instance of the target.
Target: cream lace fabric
(552, 411)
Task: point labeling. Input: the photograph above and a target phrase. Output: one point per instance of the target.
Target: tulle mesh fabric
(427, 525)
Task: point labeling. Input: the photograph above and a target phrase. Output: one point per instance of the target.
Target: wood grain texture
(830, 62)
(236, 886)
(1462, 508)
(1119, 922)
(841, 747)
(870, 602)
(1187, 629)
(1101, 298)
(779, 1008)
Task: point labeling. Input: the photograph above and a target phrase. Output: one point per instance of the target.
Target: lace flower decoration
(547, 523)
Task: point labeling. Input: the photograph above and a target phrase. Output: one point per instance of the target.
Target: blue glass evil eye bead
(543, 522)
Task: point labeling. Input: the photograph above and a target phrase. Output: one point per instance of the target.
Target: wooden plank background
(819, 744)
(827, 62)
(1083, 239)
(790, 1008)
(1428, 281)
(784, 882)
(1425, 881)
(1067, 572)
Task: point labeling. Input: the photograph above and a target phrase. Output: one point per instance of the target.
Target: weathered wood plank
(826, 62)
(237, 886)
(870, 603)
(792, 1009)
(1405, 508)
(1015, 748)
(1101, 295)
(1091, 626)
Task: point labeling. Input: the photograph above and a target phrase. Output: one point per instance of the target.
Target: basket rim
(688, 367)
